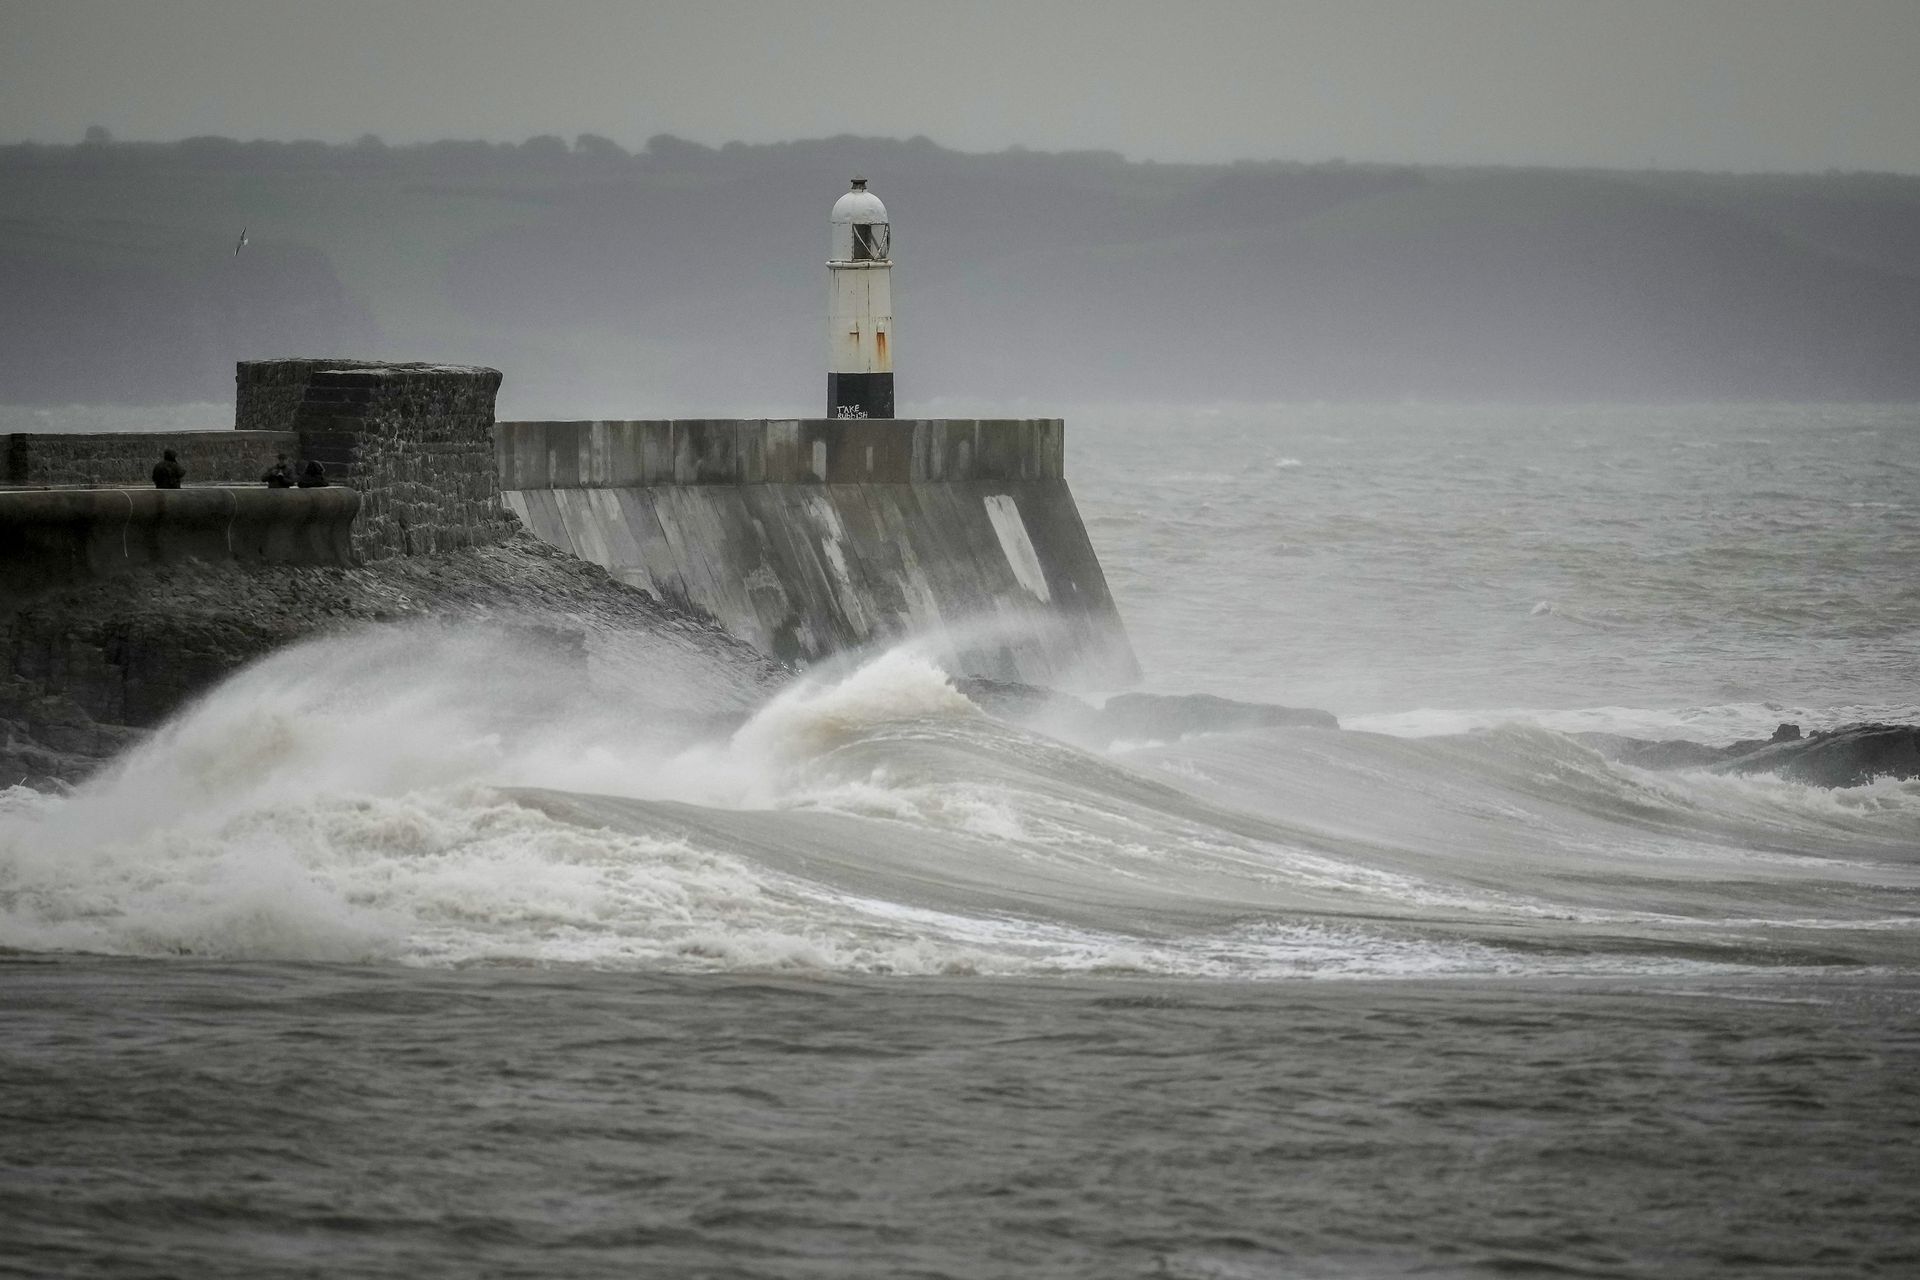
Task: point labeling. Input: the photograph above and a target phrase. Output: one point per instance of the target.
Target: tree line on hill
(689, 279)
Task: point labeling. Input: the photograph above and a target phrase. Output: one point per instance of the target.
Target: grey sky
(1721, 84)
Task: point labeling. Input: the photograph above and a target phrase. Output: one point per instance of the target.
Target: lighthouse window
(870, 242)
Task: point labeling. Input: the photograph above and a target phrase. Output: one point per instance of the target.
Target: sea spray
(430, 797)
(1722, 1081)
(804, 723)
(339, 801)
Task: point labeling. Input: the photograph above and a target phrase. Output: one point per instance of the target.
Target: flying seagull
(242, 242)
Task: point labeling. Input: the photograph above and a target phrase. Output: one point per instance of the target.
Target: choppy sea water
(1731, 565)
(395, 956)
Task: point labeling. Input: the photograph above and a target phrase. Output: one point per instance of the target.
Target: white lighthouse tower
(860, 308)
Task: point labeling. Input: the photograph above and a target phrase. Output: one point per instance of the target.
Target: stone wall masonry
(42, 460)
(268, 393)
(612, 455)
(415, 439)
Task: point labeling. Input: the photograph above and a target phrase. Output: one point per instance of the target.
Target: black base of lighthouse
(860, 395)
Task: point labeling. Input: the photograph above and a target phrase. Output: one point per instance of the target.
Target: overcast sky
(1720, 84)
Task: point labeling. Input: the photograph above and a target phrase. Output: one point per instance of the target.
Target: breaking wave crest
(419, 797)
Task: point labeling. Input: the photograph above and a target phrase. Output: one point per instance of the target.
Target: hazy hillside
(690, 280)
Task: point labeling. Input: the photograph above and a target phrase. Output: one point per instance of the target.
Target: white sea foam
(1718, 724)
(338, 803)
(347, 801)
(354, 799)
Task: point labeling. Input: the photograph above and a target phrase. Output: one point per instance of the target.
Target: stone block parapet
(45, 460)
(415, 439)
(689, 451)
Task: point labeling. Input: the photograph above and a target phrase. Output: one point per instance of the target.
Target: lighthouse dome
(859, 205)
(860, 230)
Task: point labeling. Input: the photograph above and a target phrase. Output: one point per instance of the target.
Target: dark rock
(1032, 705)
(1163, 716)
(1846, 757)
(1132, 715)
(1015, 701)
(1670, 753)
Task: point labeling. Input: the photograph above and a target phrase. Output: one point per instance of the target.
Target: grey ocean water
(1388, 559)
(338, 975)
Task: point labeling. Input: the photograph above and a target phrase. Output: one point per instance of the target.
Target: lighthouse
(860, 308)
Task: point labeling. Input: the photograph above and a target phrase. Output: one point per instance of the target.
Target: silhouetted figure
(168, 473)
(314, 477)
(279, 475)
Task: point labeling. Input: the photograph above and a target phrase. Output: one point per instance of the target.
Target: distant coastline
(601, 277)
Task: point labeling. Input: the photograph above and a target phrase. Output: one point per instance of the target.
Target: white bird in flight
(242, 243)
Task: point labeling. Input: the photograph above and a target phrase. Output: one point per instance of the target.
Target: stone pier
(808, 537)
(416, 440)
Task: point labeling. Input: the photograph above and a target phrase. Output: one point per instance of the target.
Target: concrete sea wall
(808, 537)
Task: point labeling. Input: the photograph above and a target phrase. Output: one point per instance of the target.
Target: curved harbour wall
(808, 537)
